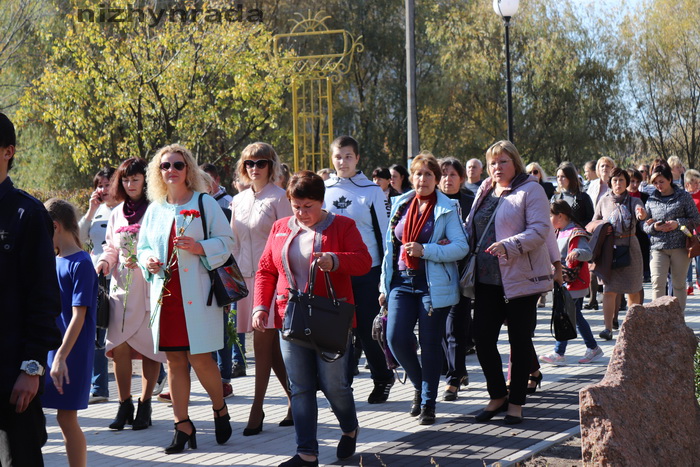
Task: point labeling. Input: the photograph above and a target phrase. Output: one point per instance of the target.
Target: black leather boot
(125, 415)
(222, 425)
(143, 416)
(181, 438)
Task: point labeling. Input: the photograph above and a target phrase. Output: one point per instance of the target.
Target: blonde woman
(513, 268)
(536, 170)
(183, 326)
(254, 211)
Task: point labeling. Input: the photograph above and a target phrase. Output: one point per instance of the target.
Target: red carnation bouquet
(189, 215)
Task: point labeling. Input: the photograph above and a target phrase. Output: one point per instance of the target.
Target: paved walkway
(388, 435)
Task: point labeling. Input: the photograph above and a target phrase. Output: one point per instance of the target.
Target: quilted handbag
(227, 282)
(319, 323)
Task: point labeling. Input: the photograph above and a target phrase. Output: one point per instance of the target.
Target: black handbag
(319, 323)
(563, 324)
(227, 282)
(102, 302)
(621, 256)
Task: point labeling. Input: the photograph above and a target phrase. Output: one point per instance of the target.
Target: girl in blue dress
(68, 389)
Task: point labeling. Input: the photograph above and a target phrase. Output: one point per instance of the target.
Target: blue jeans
(307, 373)
(694, 264)
(238, 350)
(224, 356)
(583, 328)
(408, 303)
(100, 367)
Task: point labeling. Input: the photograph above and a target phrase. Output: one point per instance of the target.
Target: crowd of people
(395, 245)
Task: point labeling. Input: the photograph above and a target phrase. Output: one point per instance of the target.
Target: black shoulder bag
(102, 302)
(319, 323)
(227, 282)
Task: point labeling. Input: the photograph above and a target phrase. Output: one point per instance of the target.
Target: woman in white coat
(175, 259)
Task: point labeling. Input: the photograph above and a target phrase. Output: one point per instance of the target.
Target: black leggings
(491, 309)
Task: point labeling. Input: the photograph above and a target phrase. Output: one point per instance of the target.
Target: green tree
(662, 43)
(565, 86)
(115, 90)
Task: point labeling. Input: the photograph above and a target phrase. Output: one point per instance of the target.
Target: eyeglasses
(260, 163)
(534, 172)
(179, 165)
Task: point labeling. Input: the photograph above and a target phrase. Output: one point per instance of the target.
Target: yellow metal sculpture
(320, 57)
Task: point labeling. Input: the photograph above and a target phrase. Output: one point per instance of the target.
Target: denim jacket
(440, 260)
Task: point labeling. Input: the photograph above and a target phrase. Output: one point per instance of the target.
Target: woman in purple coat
(515, 252)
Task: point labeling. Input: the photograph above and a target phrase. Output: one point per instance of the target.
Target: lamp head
(506, 8)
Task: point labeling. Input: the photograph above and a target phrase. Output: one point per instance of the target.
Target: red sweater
(336, 234)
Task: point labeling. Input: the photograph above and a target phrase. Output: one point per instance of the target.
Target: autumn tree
(565, 87)
(115, 90)
(662, 42)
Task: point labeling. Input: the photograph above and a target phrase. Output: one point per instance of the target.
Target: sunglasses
(179, 165)
(260, 164)
(535, 172)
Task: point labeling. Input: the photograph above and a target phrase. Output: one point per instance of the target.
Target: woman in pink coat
(128, 334)
(254, 212)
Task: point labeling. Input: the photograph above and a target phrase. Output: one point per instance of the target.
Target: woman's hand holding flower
(153, 265)
(189, 244)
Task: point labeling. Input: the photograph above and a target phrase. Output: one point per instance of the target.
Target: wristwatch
(32, 368)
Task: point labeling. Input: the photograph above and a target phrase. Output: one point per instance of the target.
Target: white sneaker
(554, 359)
(591, 355)
(158, 388)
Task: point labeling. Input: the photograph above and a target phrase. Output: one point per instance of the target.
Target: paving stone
(387, 429)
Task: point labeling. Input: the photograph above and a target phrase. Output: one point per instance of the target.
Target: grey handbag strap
(483, 234)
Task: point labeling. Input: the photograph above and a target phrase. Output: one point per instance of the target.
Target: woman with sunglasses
(183, 325)
(254, 211)
(535, 169)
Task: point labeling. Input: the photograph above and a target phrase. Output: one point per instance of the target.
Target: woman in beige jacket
(254, 212)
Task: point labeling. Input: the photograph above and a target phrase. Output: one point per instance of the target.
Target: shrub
(79, 198)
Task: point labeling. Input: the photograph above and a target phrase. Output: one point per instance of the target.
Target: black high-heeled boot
(143, 416)
(222, 426)
(125, 415)
(181, 438)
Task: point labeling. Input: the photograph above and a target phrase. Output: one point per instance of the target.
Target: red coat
(337, 234)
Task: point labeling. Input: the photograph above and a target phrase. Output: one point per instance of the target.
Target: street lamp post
(411, 107)
(506, 9)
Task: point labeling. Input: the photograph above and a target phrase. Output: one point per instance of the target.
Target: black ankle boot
(143, 416)
(125, 415)
(181, 438)
(415, 405)
(222, 426)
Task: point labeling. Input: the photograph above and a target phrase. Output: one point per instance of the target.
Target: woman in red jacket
(311, 233)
